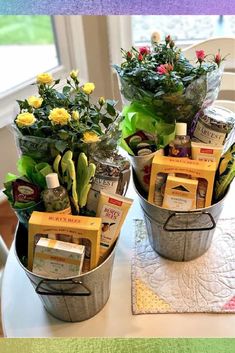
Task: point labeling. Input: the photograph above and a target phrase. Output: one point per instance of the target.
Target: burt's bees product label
(112, 209)
(204, 152)
(180, 194)
(66, 228)
(57, 259)
(111, 217)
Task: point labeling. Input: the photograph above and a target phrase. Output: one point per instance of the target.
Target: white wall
(8, 154)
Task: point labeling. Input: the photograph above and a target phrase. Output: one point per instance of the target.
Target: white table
(23, 314)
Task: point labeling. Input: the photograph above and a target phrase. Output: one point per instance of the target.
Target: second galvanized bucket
(71, 299)
(179, 236)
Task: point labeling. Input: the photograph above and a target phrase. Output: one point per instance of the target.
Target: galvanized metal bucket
(179, 236)
(71, 299)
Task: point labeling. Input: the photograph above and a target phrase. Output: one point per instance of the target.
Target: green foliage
(164, 79)
(26, 30)
(93, 116)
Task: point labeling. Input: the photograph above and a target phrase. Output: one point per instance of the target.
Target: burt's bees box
(180, 194)
(192, 169)
(68, 228)
(58, 259)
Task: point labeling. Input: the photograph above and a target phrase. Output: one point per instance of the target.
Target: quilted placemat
(206, 284)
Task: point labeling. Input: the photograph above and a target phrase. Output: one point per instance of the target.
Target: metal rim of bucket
(64, 278)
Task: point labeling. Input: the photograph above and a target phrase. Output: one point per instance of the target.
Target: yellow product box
(65, 228)
(113, 210)
(194, 169)
(180, 194)
(205, 152)
(58, 259)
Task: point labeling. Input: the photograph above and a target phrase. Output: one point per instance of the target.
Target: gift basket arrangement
(68, 195)
(181, 146)
(69, 192)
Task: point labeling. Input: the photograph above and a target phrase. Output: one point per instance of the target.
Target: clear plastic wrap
(181, 105)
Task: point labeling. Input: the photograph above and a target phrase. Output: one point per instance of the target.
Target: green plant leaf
(24, 163)
(111, 110)
(66, 90)
(61, 145)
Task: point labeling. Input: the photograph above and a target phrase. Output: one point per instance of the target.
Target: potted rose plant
(57, 120)
(160, 87)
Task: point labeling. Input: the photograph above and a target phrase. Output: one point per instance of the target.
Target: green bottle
(55, 197)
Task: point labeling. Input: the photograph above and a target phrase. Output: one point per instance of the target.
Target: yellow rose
(101, 101)
(45, 79)
(35, 102)
(155, 37)
(90, 137)
(59, 116)
(25, 119)
(75, 115)
(74, 74)
(88, 88)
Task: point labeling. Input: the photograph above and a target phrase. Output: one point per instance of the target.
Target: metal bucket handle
(175, 214)
(40, 290)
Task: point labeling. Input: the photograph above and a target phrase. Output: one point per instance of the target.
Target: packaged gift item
(225, 173)
(142, 143)
(180, 146)
(201, 192)
(55, 197)
(112, 175)
(57, 259)
(159, 188)
(113, 210)
(180, 194)
(66, 228)
(24, 191)
(204, 152)
(214, 126)
(142, 167)
(183, 166)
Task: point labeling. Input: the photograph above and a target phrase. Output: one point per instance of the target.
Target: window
(33, 44)
(27, 47)
(184, 29)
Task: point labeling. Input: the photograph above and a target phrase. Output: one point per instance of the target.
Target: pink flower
(140, 57)
(218, 58)
(129, 55)
(168, 39)
(164, 69)
(144, 50)
(161, 70)
(200, 55)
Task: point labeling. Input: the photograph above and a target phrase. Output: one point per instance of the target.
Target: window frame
(67, 30)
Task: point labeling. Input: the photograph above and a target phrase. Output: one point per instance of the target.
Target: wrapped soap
(225, 173)
(58, 259)
(215, 125)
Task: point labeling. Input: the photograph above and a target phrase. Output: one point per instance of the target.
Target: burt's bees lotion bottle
(55, 197)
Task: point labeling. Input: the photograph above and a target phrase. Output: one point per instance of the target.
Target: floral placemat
(206, 284)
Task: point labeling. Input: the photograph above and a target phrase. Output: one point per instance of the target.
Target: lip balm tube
(112, 209)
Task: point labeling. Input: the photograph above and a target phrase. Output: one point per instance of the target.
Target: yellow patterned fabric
(147, 300)
(206, 284)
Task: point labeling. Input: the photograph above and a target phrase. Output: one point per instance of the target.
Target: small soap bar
(57, 259)
(180, 194)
